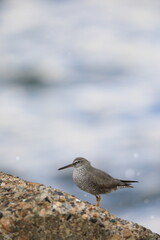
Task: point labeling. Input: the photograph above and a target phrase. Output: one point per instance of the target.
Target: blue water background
(82, 78)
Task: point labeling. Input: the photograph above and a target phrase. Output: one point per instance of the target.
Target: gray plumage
(93, 180)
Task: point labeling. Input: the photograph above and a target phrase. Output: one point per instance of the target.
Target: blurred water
(82, 79)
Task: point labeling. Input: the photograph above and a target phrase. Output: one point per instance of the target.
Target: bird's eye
(77, 161)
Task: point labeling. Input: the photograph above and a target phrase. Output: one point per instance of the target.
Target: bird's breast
(80, 178)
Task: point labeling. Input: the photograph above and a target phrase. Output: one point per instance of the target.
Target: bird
(93, 180)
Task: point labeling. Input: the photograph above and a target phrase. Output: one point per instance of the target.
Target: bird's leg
(98, 199)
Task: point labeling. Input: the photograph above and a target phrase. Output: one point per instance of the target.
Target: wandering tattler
(93, 180)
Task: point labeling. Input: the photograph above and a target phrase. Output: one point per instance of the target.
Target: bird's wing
(104, 180)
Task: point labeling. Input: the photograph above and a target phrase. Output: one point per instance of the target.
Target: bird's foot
(98, 199)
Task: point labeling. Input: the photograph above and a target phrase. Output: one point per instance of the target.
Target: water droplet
(130, 173)
(136, 155)
(138, 173)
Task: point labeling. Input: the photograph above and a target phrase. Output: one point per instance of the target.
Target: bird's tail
(128, 183)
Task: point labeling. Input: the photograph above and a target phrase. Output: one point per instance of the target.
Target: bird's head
(77, 162)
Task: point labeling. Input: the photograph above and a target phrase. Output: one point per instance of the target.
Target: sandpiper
(93, 180)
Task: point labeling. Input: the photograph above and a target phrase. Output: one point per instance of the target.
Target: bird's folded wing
(103, 180)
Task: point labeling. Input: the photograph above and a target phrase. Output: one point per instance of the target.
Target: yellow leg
(98, 199)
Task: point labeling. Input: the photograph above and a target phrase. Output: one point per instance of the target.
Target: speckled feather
(93, 180)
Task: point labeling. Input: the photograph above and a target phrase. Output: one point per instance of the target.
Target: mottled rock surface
(32, 211)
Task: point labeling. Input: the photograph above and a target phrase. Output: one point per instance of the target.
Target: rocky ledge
(32, 211)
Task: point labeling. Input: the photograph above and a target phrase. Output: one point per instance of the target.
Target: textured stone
(126, 233)
(32, 211)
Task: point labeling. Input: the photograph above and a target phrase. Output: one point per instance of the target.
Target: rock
(32, 211)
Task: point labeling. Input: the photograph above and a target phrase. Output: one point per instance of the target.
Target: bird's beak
(68, 166)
